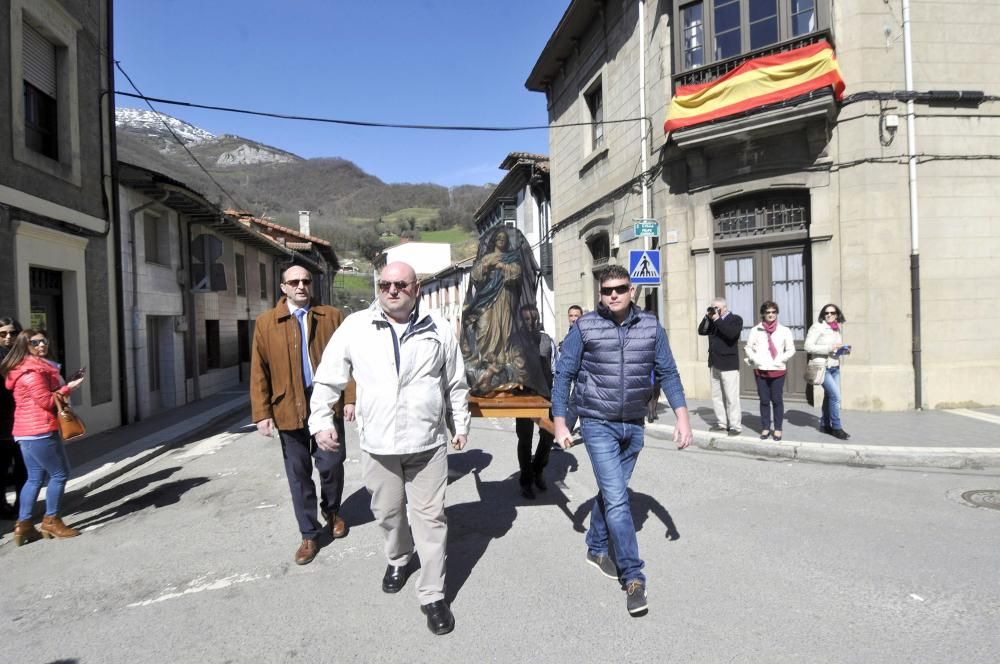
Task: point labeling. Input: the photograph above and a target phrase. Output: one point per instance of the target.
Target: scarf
(770, 328)
(835, 326)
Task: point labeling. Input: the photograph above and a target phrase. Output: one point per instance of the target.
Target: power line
(174, 134)
(369, 123)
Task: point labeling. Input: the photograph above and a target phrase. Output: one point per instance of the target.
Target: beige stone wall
(860, 227)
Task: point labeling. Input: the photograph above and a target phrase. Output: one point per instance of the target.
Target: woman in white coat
(769, 346)
(825, 340)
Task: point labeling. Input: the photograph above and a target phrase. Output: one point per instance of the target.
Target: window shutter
(39, 61)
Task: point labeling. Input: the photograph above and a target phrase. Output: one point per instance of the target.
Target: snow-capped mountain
(152, 123)
(223, 151)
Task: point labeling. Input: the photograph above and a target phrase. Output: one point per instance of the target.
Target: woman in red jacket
(32, 379)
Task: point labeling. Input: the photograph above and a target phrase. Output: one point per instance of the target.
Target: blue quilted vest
(614, 381)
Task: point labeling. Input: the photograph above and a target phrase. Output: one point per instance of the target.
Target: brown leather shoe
(338, 528)
(25, 533)
(306, 552)
(53, 526)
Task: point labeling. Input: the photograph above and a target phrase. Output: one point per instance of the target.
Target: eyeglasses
(295, 282)
(39, 342)
(620, 289)
(384, 286)
(829, 313)
(7, 333)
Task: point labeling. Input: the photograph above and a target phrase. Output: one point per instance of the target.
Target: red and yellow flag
(755, 83)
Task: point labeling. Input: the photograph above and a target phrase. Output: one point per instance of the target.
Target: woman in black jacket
(11, 462)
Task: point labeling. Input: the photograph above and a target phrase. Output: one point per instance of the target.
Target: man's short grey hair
(719, 300)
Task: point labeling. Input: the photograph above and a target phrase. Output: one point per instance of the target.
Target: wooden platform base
(534, 407)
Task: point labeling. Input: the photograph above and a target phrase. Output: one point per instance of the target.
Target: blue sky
(416, 61)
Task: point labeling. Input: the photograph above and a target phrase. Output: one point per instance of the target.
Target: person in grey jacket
(411, 402)
(610, 353)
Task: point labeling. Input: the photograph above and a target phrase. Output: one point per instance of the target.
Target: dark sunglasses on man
(620, 289)
(384, 286)
(294, 283)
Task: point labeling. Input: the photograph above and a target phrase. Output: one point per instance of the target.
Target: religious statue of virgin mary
(501, 355)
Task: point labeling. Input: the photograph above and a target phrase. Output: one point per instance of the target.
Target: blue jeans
(44, 456)
(613, 448)
(831, 399)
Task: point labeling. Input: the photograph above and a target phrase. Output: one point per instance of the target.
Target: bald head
(398, 290)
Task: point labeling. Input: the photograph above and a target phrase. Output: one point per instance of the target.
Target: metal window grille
(761, 215)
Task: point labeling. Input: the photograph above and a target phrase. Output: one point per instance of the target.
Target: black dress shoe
(439, 617)
(540, 482)
(395, 578)
(839, 433)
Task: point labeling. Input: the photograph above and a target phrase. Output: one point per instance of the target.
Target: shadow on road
(642, 506)
(161, 495)
(356, 509)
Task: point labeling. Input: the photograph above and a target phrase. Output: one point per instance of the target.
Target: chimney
(304, 222)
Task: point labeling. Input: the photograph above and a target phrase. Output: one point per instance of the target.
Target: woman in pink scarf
(769, 346)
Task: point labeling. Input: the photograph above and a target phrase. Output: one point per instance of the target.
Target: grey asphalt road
(189, 559)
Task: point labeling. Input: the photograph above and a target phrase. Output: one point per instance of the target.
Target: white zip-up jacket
(758, 355)
(820, 340)
(411, 391)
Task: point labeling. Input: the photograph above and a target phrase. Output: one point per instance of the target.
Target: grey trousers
(726, 398)
(408, 503)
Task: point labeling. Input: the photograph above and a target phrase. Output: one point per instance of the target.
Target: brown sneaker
(53, 526)
(306, 552)
(25, 533)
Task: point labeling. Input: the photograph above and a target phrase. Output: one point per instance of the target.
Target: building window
(153, 341)
(263, 281)
(156, 239)
(595, 109)
(241, 275)
(41, 129)
(213, 350)
(761, 215)
(736, 27)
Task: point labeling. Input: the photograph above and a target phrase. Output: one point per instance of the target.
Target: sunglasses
(39, 342)
(384, 286)
(829, 313)
(5, 333)
(621, 290)
(295, 282)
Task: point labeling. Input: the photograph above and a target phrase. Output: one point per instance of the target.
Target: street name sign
(646, 228)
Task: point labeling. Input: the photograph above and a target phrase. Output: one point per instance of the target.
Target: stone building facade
(806, 201)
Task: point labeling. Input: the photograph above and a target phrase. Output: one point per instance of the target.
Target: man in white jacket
(411, 401)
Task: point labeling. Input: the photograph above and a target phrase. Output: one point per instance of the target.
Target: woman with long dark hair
(769, 346)
(825, 340)
(32, 379)
(11, 462)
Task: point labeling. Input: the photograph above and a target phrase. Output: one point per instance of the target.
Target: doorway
(46, 287)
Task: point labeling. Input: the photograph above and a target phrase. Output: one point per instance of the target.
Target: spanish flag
(756, 83)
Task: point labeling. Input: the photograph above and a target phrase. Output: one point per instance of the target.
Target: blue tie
(307, 372)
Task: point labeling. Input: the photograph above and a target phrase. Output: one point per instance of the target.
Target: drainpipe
(644, 159)
(911, 159)
(135, 295)
(116, 220)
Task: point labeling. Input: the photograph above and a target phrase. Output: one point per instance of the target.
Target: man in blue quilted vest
(610, 353)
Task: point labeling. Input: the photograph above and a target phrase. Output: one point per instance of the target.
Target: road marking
(200, 585)
(983, 417)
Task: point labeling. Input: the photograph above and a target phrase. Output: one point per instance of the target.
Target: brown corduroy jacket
(277, 389)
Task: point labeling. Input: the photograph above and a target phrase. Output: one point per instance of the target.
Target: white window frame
(57, 26)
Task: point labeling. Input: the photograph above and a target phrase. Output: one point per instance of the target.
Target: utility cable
(368, 123)
(176, 137)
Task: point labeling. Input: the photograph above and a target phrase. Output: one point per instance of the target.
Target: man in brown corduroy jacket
(281, 369)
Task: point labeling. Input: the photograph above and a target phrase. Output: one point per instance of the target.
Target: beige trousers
(408, 503)
(726, 398)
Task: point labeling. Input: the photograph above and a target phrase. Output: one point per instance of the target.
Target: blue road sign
(644, 266)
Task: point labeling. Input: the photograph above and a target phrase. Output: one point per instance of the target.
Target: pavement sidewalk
(964, 438)
(101, 458)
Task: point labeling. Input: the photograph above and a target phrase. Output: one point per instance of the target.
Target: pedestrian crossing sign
(644, 266)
